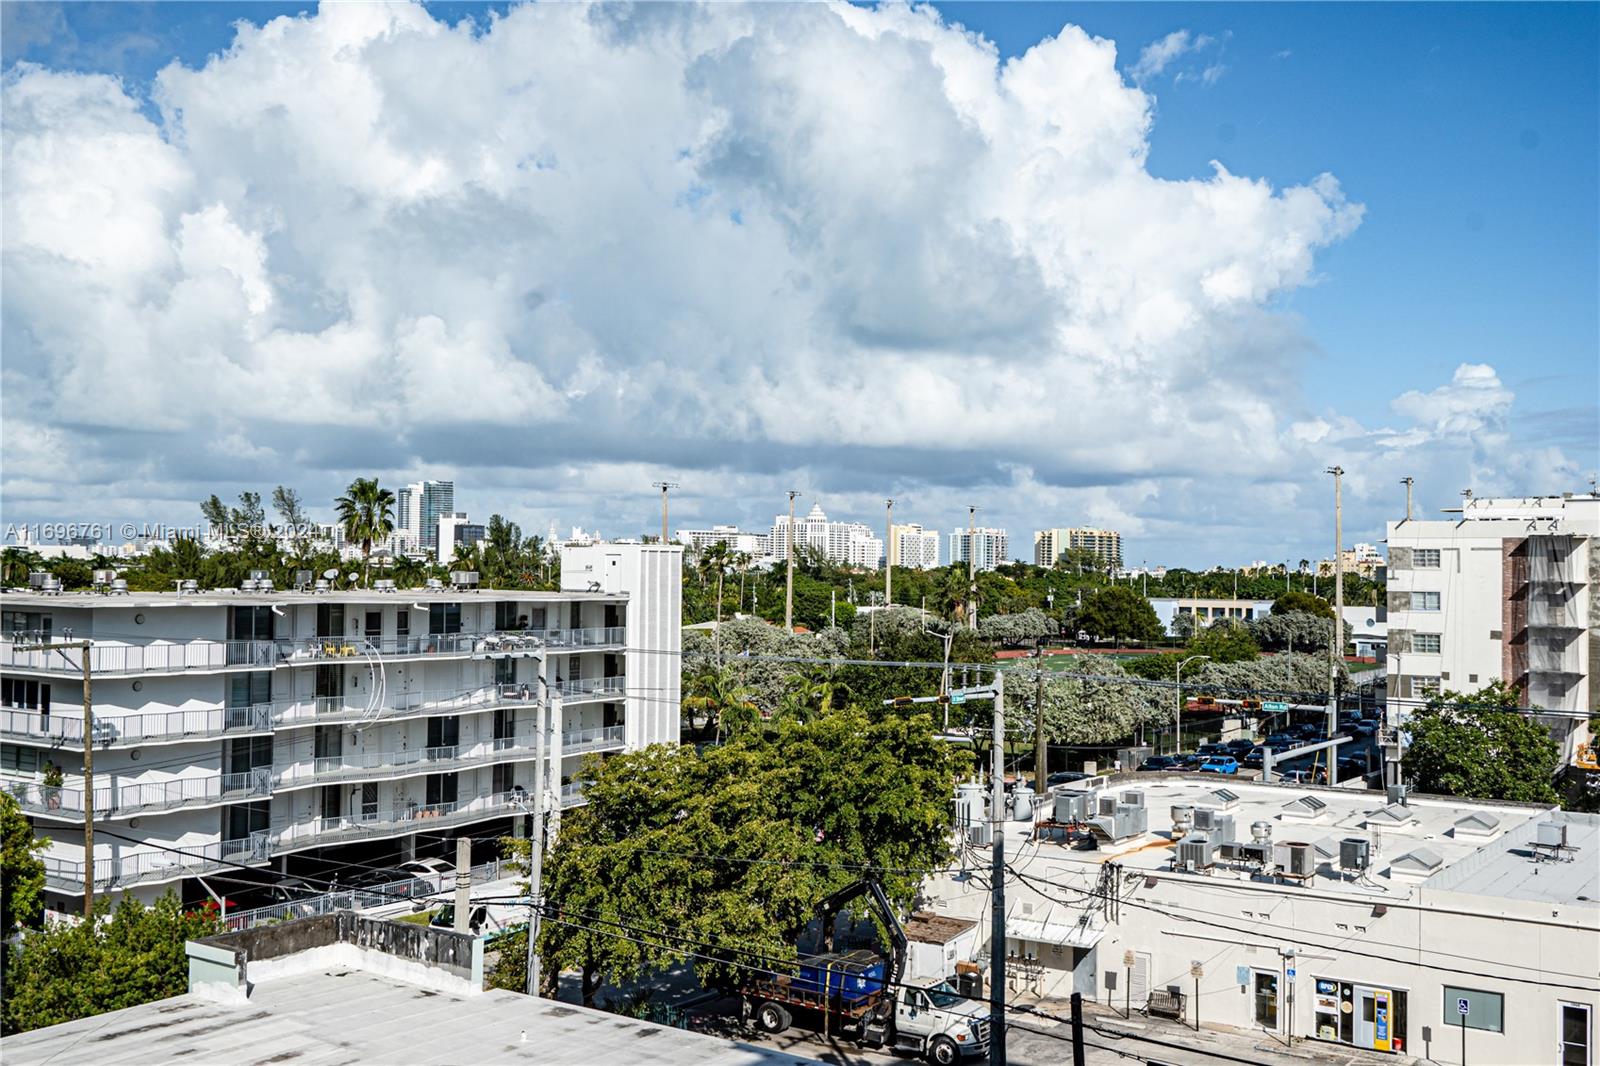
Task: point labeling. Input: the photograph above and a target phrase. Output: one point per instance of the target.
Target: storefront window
(1363, 1016)
(1485, 1010)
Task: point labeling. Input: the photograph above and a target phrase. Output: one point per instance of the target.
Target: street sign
(1463, 1007)
(1196, 970)
(958, 698)
(1127, 957)
(1290, 974)
(1273, 705)
(1241, 975)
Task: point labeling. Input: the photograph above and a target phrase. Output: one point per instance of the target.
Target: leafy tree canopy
(21, 872)
(1226, 642)
(1480, 745)
(728, 847)
(1119, 613)
(121, 959)
(1289, 602)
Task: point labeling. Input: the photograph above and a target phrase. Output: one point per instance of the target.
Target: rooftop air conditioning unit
(1395, 794)
(37, 578)
(264, 584)
(1258, 853)
(1073, 806)
(1221, 828)
(1105, 805)
(190, 585)
(303, 578)
(1133, 798)
(1194, 853)
(464, 579)
(1355, 853)
(980, 834)
(1204, 819)
(1297, 859)
(435, 583)
(258, 575)
(1551, 834)
(103, 578)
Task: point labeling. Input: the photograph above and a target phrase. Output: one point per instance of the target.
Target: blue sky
(1467, 132)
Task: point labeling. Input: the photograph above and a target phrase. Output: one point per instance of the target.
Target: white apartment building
(1049, 545)
(1206, 610)
(847, 543)
(751, 544)
(1350, 923)
(1500, 589)
(913, 547)
(457, 532)
(294, 731)
(418, 508)
(992, 547)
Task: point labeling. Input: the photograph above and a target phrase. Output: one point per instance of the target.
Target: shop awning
(1050, 926)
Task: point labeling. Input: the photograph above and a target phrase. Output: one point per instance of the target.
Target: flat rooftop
(14, 598)
(345, 1017)
(1465, 846)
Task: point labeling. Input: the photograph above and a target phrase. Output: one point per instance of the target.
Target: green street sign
(957, 698)
(1272, 705)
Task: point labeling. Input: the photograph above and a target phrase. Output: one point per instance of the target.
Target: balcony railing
(411, 818)
(574, 741)
(595, 637)
(591, 688)
(137, 728)
(152, 865)
(124, 800)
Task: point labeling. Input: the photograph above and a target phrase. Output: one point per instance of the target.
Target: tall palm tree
(367, 513)
(717, 691)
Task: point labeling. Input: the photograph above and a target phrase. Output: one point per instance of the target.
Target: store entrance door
(1266, 1000)
(1374, 1022)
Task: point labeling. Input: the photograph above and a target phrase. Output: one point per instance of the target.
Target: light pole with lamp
(552, 703)
(1177, 732)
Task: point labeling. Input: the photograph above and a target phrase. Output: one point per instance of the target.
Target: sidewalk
(1254, 1045)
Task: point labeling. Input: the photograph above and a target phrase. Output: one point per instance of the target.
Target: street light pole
(1336, 643)
(1178, 729)
(972, 568)
(1408, 482)
(664, 486)
(88, 762)
(888, 555)
(997, 877)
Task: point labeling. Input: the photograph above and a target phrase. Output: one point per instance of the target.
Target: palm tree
(367, 514)
(717, 559)
(19, 563)
(717, 691)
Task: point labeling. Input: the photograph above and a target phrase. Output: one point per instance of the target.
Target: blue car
(1220, 764)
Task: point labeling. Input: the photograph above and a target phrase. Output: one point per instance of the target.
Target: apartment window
(332, 801)
(504, 778)
(506, 617)
(575, 620)
(505, 671)
(1427, 686)
(1426, 643)
(250, 623)
(25, 623)
(329, 742)
(1425, 558)
(444, 732)
(330, 681)
(1485, 1010)
(19, 759)
(330, 619)
(374, 626)
(1424, 601)
(29, 695)
(444, 618)
(442, 788)
(505, 723)
(536, 618)
(242, 819)
(402, 624)
(247, 690)
(613, 616)
(612, 715)
(247, 753)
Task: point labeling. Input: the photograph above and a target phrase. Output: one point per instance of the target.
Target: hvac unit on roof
(464, 579)
(1551, 834)
(1194, 853)
(1355, 853)
(1205, 818)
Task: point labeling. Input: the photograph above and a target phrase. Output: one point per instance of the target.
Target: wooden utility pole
(888, 556)
(665, 487)
(88, 762)
(788, 589)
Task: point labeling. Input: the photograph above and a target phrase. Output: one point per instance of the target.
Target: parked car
(1278, 741)
(1239, 747)
(1299, 777)
(1159, 762)
(1352, 766)
(427, 867)
(1208, 750)
(479, 920)
(1189, 760)
(1254, 758)
(1220, 764)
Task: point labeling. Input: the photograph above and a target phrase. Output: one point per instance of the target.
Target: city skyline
(1257, 335)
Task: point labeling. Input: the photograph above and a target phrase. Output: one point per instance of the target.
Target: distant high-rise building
(418, 508)
(847, 543)
(1049, 545)
(989, 547)
(456, 532)
(913, 547)
(751, 544)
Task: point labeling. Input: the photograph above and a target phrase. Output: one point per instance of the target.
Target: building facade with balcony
(305, 732)
(1499, 590)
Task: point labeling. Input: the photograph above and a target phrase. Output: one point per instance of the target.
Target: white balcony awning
(1051, 925)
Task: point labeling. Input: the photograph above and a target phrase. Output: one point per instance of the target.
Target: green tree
(121, 959)
(733, 847)
(1119, 614)
(21, 871)
(1300, 630)
(1481, 745)
(367, 513)
(1225, 641)
(1087, 701)
(717, 693)
(1290, 602)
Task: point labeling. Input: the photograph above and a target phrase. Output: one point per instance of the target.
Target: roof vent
(1304, 809)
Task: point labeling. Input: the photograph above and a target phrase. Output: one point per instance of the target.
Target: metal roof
(342, 1017)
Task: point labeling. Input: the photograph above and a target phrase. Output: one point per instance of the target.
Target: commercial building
(418, 508)
(847, 543)
(1204, 611)
(1049, 545)
(912, 547)
(1499, 590)
(751, 544)
(293, 730)
(1346, 920)
(989, 547)
(458, 532)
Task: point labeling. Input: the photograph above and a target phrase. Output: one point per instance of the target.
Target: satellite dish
(353, 575)
(331, 573)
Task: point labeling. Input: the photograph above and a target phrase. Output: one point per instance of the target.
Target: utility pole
(1336, 645)
(88, 762)
(551, 704)
(1408, 482)
(888, 556)
(1041, 750)
(997, 878)
(463, 899)
(788, 592)
(972, 568)
(664, 486)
